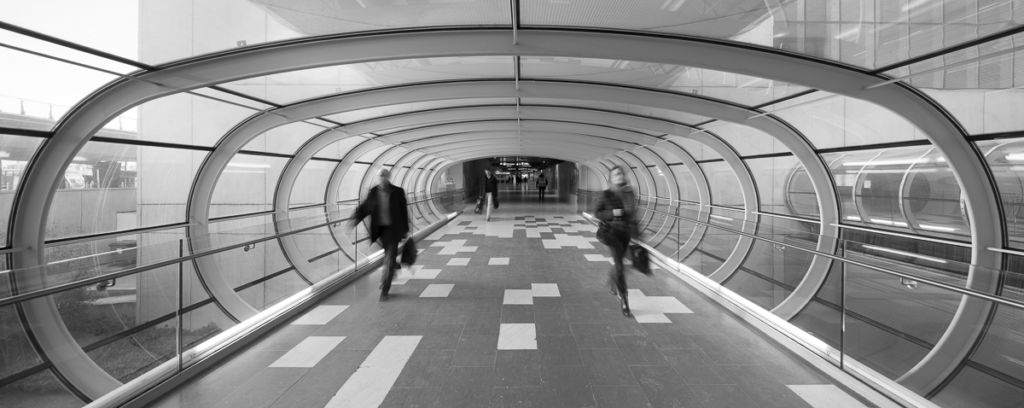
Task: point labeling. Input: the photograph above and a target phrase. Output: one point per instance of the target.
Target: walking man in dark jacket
(386, 206)
(542, 185)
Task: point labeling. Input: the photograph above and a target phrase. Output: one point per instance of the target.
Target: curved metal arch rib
(673, 188)
(27, 227)
(743, 244)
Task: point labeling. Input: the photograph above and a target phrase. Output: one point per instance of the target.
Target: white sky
(107, 25)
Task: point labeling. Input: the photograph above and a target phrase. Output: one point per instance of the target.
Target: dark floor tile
(669, 337)
(321, 382)
(722, 396)
(483, 325)
(517, 314)
(284, 338)
(638, 350)
(570, 384)
(663, 387)
(437, 337)
(468, 387)
(764, 388)
(694, 367)
(413, 397)
(515, 368)
(524, 397)
(558, 350)
(606, 367)
(263, 388)
(552, 324)
(592, 335)
(620, 397)
(548, 305)
(588, 312)
(475, 350)
(721, 350)
(426, 368)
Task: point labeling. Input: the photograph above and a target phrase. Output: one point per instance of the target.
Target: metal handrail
(928, 281)
(139, 269)
(840, 225)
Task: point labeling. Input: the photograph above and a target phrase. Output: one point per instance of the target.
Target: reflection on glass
(112, 186)
(978, 85)
(672, 115)
(30, 391)
(246, 185)
(284, 139)
(15, 152)
(725, 189)
(727, 86)
(908, 188)
(828, 120)
(359, 115)
(859, 32)
(290, 87)
(311, 183)
(1006, 161)
(349, 186)
(783, 186)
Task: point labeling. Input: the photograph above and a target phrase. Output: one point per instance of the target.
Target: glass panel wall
(113, 186)
(246, 185)
(727, 86)
(15, 152)
(1006, 160)
(290, 87)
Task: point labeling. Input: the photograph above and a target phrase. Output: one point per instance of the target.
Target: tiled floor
(541, 330)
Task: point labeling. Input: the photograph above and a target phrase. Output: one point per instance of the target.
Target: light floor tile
(437, 290)
(320, 315)
(517, 336)
(308, 352)
(498, 261)
(648, 317)
(458, 262)
(415, 272)
(372, 381)
(518, 297)
(545, 290)
(826, 395)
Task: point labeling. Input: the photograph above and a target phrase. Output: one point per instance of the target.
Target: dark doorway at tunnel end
(523, 178)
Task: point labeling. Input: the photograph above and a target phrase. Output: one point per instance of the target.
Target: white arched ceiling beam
(588, 91)
(552, 113)
(511, 124)
(524, 124)
(43, 175)
(674, 193)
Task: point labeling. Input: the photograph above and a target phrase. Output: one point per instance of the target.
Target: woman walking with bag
(616, 210)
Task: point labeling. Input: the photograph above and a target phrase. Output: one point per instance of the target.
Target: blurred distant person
(490, 190)
(542, 186)
(387, 208)
(616, 211)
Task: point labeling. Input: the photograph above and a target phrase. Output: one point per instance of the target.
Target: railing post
(180, 318)
(842, 310)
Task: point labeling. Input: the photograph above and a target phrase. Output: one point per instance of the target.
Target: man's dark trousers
(389, 240)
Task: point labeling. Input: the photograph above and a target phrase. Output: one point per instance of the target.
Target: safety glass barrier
(147, 303)
(945, 261)
(879, 308)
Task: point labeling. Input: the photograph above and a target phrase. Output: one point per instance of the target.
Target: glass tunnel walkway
(514, 312)
(833, 190)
